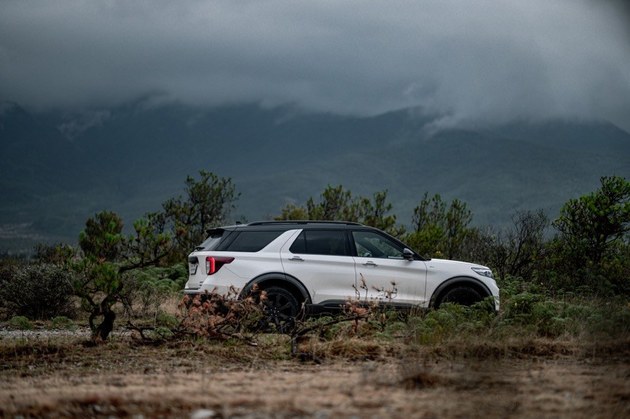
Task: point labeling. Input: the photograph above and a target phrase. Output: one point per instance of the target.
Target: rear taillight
(214, 263)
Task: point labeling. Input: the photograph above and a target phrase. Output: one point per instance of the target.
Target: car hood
(454, 268)
(457, 264)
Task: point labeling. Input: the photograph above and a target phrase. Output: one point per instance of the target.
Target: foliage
(438, 325)
(518, 250)
(208, 202)
(37, 290)
(151, 286)
(20, 323)
(109, 262)
(338, 204)
(592, 224)
(102, 237)
(527, 315)
(438, 230)
(111, 267)
(541, 315)
(149, 245)
(593, 243)
(58, 254)
(543, 283)
(215, 316)
(167, 320)
(63, 323)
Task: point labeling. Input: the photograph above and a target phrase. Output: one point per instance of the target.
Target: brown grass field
(48, 376)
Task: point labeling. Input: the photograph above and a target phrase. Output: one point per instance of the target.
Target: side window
(370, 244)
(321, 242)
(252, 241)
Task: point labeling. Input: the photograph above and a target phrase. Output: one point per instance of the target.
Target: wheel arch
(451, 283)
(280, 279)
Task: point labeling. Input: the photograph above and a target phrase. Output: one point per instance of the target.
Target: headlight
(483, 272)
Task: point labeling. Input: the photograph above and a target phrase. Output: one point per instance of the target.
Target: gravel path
(37, 333)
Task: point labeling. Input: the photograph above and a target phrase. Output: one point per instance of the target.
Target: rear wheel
(465, 296)
(281, 309)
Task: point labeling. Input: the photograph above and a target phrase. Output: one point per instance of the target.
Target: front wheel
(281, 309)
(465, 296)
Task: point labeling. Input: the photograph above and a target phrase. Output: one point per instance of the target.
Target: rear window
(214, 238)
(252, 241)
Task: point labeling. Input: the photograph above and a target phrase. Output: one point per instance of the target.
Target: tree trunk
(101, 333)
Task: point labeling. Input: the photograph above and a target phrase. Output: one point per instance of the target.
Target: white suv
(317, 266)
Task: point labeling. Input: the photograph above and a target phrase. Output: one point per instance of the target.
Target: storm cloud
(471, 61)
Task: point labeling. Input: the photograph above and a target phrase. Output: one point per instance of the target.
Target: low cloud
(472, 61)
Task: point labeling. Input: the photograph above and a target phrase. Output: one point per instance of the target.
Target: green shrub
(37, 291)
(63, 322)
(163, 319)
(150, 287)
(20, 323)
(449, 320)
(607, 320)
(161, 333)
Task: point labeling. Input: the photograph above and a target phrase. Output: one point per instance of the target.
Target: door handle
(297, 259)
(370, 263)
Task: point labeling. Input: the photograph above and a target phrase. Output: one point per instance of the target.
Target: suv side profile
(318, 265)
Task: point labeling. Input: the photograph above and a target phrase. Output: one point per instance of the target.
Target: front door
(384, 275)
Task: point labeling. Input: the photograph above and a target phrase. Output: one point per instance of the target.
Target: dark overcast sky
(472, 60)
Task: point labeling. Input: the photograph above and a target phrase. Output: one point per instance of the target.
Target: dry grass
(442, 364)
(123, 379)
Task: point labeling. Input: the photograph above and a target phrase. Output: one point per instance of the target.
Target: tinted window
(370, 244)
(214, 238)
(316, 242)
(252, 241)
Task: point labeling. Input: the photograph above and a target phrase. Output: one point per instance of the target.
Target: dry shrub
(216, 316)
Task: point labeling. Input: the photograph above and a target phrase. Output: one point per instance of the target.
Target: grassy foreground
(540, 355)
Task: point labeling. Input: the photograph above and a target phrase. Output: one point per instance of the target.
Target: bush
(593, 245)
(63, 323)
(37, 291)
(215, 316)
(20, 323)
(148, 288)
(450, 320)
(167, 320)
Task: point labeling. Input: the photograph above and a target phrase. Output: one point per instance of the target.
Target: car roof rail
(280, 222)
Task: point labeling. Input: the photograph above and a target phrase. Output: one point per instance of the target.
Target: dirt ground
(53, 380)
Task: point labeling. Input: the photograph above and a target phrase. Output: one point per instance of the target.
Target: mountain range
(57, 168)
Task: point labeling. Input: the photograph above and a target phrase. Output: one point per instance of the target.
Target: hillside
(58, 168)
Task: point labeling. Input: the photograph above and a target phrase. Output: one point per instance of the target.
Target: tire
(281, 309)
(462, 295)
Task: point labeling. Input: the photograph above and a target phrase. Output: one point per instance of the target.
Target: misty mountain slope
(26, 149)
(229, 139)
(496, 177)
(584, 136)
(60, 168)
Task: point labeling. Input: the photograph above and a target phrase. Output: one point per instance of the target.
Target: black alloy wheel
(281, 309)
(465, 296)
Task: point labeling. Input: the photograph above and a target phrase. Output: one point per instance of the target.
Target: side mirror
(408, 254)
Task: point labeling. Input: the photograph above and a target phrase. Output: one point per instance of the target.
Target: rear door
(321, 260)
(382, 272)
